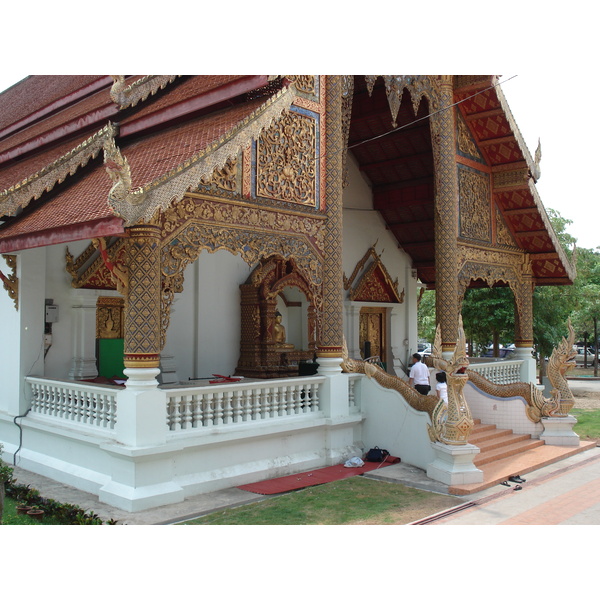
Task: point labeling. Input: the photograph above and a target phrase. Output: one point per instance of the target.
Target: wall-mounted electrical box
(51, 313)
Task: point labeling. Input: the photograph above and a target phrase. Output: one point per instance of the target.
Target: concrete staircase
(504, 454)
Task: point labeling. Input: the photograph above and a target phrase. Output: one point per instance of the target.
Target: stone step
(519, 464)
(504, 438)
(478, 437)
(505, 450)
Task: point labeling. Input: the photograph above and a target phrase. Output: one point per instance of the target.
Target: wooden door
(372, 329)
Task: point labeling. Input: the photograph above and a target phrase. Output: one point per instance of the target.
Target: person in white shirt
(419, 375)
(441, 387)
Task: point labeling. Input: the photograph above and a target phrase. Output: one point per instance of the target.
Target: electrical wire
(491, 87)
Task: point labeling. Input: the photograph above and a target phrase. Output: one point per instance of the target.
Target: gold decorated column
(142, 305)
(331, 333)
(524, 313)
(446, 216)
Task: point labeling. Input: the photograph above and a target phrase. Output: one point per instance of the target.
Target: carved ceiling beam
(403, 184)
(495, 141)
(486, 114)
(525, 234)
(409, 224)
(520, 211)
(538, 256)
(394, 161)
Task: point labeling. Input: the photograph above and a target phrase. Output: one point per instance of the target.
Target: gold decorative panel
(109, 318)
(286, 160)
(474, 190)
(503, 235)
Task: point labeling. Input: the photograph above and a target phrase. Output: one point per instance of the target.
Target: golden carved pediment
(375, 284)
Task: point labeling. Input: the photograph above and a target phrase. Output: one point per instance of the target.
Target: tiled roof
(16, 171)
(37, 91)
(155, 155)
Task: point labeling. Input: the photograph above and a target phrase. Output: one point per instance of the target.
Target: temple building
(212, 280)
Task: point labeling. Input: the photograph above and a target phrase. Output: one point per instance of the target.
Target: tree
(489, 316)
(426, 316)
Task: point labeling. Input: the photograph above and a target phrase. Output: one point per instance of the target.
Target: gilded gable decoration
(142, 203)
(11, 282)
(226, 178)
(89, 270)
(419, 86)
(503, 235)
(129, 95)
(474, 193)
(375, 284)
(465, 141)
(286, 166)
(304, 83)
(22, 193)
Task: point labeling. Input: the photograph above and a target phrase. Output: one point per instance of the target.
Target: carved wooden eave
(21, 194)
(569, 265)
(533, 165)
(11, 282)
(375, 284)
(138, 91)
(89, 269)
(141, 204)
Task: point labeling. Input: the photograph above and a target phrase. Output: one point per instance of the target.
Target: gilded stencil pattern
(446, 217)
(286, 160)
(474, 205)
(143, 310)
(332, 332)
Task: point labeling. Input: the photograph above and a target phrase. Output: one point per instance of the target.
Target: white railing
(93, 405)
(353, 399)
(499, 372)
(227, 404)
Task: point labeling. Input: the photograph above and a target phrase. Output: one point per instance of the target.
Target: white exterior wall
(363, 227)
(205, 329)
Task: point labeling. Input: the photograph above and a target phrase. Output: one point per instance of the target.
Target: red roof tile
(36, 92)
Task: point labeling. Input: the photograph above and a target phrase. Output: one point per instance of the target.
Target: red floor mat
(310, 478)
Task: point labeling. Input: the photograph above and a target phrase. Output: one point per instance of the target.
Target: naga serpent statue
(538, 407)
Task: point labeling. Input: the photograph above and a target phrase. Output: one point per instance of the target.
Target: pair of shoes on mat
(517, 479)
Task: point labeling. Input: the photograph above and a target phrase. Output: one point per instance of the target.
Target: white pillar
(83, 363)
(22, 347)
(528, 366)
(141, 410)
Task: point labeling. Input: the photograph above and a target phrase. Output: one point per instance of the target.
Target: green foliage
(489, 315)
(426, 316)
(63, 514)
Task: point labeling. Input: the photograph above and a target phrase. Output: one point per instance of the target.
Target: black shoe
(505, 483)
(516, 479)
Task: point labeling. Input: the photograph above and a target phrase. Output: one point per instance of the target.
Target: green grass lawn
(588, 423)
(11, 517)
(353, 501)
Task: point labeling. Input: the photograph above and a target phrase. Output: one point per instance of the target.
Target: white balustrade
(499, 372)
(79, 403)
(231, 403)
(353, 400)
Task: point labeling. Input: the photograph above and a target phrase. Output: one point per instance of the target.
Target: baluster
(247, 404)
(351, 402)
(275, 391)
(315, 389)
(218, 403)
(209, 409)
(256, 408)
(284, 391)
(236, 413)
(228, 407)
